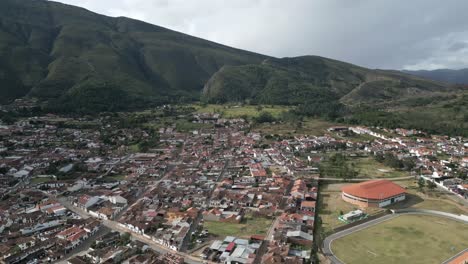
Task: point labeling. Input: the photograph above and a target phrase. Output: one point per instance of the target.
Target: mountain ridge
(49, 48)
(459, 76)
(76, 61)
(349, 83)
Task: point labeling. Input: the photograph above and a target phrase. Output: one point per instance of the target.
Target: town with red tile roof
(136, 188)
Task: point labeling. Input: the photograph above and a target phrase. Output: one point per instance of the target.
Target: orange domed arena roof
(375, 189)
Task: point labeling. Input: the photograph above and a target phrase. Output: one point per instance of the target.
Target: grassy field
(368, 167)
(441, 205)
(405, 239)
(41, 180)
(428, 199)
(332, 205)
(186, 126)
(249, 226)
(236, 111)
(310, 126)
(119, 177)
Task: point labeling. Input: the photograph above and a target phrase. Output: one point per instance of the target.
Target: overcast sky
(396, 34)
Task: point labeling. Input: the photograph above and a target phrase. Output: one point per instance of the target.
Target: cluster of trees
(373, 117)
(410, 120)
(461, 174)
(423, 183)
(338, 166)
(329, 109)
(151, 142)
(265, 117)
(392, 161)
(10, 117)
(77, 169)
(4, 170)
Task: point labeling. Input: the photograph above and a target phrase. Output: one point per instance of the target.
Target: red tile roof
(76, 236)
(308, 204)
(69, 231)
(84, 199)
(257, 237)
(462, 259)
(375, 189)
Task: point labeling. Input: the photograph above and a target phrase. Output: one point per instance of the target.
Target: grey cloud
(373, 33)
(458, 46)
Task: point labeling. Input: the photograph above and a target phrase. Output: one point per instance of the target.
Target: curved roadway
(326, 247)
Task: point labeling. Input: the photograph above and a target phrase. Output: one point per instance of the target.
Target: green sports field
(405, 239)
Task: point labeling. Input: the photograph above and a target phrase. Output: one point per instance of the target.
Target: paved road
(143, 195)
(113, 225)
(197, 220)
(452, 196)
(83, 248)
(116, 226)
(155, 246)
(82, 213)
(455, 198)
(271, 230)
(326, 247)
(454, 257)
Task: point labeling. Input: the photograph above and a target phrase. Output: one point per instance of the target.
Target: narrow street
(113, 225)
(271, 231)
(196, 221)
(155, 246)
(84, 247)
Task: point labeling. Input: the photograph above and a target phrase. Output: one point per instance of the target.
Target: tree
(353, 171)
(431, 185)
(338, 159)
(421, 183)
(125, 238)
(143, 146)
(462, 174)
(392, 161)
(409, 164)
(265, 117)
(347, 171)
(4, 170)
(379, 158)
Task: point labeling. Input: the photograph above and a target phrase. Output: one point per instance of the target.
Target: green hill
(78, 60)
(74, 60)
(344, 92)
(297, 80)
(57, 52)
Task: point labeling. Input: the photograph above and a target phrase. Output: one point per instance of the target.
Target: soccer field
(405, 239)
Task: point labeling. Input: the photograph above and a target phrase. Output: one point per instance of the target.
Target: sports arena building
(375, 193)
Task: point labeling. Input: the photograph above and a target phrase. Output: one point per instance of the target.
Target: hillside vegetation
(74, 60)
(297, 80)
(343, 92)
(54, 51)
